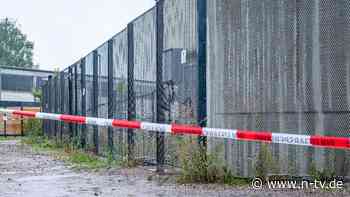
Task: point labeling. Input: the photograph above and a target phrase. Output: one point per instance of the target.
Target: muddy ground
(24, 172)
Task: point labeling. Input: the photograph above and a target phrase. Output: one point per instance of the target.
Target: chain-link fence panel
(72, 101)
(102, 95)
(56, 90)
(279, 66)
(179, 70)
(89, 98)
(66, 105)
(120, 73)
(45, 105)
(79, 96)
(50, 105)
(144, 36)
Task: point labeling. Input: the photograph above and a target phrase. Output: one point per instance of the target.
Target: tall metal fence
(280, 66)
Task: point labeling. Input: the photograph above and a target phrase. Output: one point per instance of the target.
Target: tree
(15, 49)
(37, 94)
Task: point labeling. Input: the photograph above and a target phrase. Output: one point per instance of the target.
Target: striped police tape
(235, 134)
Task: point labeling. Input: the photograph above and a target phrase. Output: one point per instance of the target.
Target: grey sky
(65, 30)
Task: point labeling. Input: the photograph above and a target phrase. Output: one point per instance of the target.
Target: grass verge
(77, 158)
(3, 138)
(65, 150)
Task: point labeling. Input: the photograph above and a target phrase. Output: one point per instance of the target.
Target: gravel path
(24, 172)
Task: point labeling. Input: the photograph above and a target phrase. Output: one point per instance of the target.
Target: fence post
(202, 94)
(22, 124)
(111, 97)
(56, 103)
(5, 126)
(70, 100)
(75, 88)
(95, 98)
(83, 101)
(43, 107)
(50, 104)
(160, 115)
(131, 93)
(46, 108)
(62, 102)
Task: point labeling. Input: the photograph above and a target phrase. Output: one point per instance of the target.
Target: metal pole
(75, 89)
(5, 134)
(95, 98)
(111, 97)
(202, 64)
(70, 100)
(50, 122)
(56, 104)
(43, 104)
(22, 131)
(131, 95)
(160, 115)
(44, 107)
(201, 83)
(62, 102)
(83, 101)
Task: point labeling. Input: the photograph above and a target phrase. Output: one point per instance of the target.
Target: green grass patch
(82, 160)
(67, 150)
(77, 158)
(3, 138)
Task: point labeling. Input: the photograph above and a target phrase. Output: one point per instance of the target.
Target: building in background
(16, 92)
(17, 85)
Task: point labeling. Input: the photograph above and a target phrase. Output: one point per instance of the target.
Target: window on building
(17, 83)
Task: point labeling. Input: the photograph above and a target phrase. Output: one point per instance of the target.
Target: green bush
(265, 163)
(199, 166)
(33, 127)
(321, 175)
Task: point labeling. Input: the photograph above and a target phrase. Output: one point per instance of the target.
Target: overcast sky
(65, 30)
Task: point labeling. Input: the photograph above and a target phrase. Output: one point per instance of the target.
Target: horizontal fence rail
(176, 129)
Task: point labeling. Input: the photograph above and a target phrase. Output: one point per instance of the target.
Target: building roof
(26, 69)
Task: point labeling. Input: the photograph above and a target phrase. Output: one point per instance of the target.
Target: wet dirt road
(26, 173)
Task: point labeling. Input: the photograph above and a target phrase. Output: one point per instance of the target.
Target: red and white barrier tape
(262, 136)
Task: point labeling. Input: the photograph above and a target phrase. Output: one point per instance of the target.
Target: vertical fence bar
(5, 127)
(22, 125)
(46, 108)
(111, 100)
(43, 103)
(83, 101)
(62, 102)
(202, 64)
(70, 100)
(56, 103)
(75, 89)
(95, 98)
(131, 93)
(50, 104)
(160, 115)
